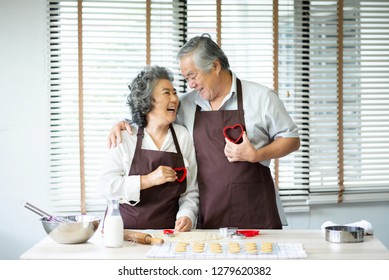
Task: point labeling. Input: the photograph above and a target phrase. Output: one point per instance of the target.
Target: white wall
(24, 127)
(23, 123)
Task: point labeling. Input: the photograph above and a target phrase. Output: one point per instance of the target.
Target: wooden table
(313, 242)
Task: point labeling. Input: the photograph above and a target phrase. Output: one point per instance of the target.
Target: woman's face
(165, 103)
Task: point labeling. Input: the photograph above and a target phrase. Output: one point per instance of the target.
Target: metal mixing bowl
(73, 229)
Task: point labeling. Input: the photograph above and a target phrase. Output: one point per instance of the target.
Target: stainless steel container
(344, 234)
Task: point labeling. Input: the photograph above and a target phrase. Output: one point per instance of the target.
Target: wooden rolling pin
(142, 238)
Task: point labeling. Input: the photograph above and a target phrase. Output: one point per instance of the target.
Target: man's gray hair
(205, 52)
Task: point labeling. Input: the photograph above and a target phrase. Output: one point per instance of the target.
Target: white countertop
(313, 242)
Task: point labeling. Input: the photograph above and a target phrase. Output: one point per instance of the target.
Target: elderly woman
(154, 170)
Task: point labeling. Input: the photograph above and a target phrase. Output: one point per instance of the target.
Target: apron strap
(139, 139)
(239, 96)
(140, 136)
(175, 140)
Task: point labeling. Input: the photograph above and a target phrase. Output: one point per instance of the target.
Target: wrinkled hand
(159, 176)
(115, 136)
(183, 224)
(239, 152)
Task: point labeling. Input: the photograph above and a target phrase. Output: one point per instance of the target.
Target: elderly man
(238, 127)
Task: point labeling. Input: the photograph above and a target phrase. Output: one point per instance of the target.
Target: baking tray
(344, 234)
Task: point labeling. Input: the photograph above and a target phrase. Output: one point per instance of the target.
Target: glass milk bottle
(113, 225)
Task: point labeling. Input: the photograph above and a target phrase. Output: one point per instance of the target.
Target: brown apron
(158, 205)
(232, 194)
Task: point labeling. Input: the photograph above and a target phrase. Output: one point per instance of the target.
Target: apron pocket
(130, 221)
(248, 202)
(202, 204)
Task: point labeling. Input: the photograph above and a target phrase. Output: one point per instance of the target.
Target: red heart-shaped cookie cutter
(179, 170)
(248, 233)
(168, 231)
(229, 131)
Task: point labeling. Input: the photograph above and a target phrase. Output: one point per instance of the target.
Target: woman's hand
(159, 176)
(183, 224)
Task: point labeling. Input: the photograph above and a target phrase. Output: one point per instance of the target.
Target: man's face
(206, 83)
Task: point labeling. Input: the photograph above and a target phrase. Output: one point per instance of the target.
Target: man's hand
(115, 136)
(245, 151)
(183, 224)
(239, 152)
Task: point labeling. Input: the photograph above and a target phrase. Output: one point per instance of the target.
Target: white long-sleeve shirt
(115, 181)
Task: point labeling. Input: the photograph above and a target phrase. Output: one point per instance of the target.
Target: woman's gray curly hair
(141, 98)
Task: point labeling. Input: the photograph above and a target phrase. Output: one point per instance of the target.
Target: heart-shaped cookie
(234, 133)
(181, 173)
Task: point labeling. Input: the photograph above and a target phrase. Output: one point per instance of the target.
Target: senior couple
(199, 161)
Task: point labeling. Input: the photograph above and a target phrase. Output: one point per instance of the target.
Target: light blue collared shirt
(265, 115)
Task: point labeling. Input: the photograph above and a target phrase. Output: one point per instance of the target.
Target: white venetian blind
(308, 85)
(64, 149)
(246, 34)
(114, 49)
(332, 73)
(343, 125)
(247, 38)
(201, 18)
(167, 20)
(366, 100)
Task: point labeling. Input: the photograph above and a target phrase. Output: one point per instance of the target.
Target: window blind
(331, 73)
(365, 102)
(113, 51)
(246, 34)
(201, 18)
(308, 86)
(247, 39)
(64, 150)
(342, 125)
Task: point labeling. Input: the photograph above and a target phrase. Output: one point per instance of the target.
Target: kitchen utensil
(367, 226)
(142, 238)
(43, 214)
(168, 232)
(248, 233)
(72, 229)
(66, 229)
(238, 236)
(234, 133)
(181, 173)
(227, 231)
(344, 234)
